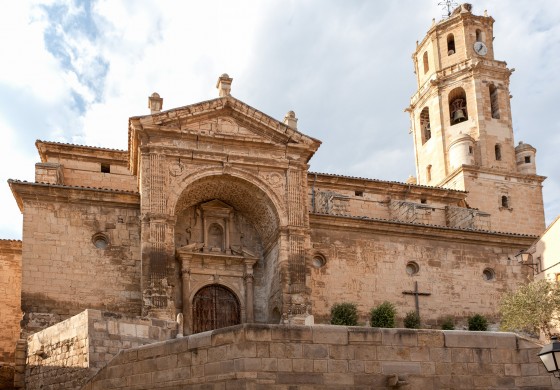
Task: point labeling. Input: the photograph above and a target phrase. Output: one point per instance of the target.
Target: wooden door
(215, 307)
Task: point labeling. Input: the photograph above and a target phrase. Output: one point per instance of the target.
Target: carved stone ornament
(274, 179)
(176, 169)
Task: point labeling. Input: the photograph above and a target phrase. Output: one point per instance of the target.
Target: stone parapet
(71, 351)
(328, 357)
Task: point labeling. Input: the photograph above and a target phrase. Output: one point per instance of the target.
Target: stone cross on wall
(416, 293)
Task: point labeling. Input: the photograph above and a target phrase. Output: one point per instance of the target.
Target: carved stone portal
(216, 273)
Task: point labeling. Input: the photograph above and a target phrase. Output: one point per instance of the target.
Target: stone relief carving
(176, 168)
(218, 126)
(275, 179)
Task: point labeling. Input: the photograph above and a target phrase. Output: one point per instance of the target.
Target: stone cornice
(10, 246)
(48, 149)
(422, 231)
(25, 191)
(490, 171)
(267, 129)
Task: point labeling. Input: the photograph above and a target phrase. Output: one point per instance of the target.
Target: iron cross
(416, 293)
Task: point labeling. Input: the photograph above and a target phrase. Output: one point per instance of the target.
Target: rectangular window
(527, 159)
(105, 168)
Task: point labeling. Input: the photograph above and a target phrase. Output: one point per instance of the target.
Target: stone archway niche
(226, 233)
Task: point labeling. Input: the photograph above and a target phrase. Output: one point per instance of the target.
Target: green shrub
(344, 314)
(448, 324)
(383, 316)
(478, 322)
(412, 320)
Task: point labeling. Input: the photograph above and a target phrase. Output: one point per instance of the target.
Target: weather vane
(447, 5)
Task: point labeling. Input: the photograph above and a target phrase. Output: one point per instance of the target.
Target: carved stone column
(186, 292)
(249, 300)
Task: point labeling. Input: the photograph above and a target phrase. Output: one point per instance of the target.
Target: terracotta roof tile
(74, 187)
(385, 181)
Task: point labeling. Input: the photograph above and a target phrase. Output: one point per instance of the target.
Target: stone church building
(212, 218)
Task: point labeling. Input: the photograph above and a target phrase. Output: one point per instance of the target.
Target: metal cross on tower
(416, 293)
(448, 6)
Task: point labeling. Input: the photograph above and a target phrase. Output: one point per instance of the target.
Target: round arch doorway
(214, 307)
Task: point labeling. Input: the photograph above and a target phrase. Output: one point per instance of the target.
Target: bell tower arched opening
(458, 111)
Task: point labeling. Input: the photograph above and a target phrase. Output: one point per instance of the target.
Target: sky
(75, 71)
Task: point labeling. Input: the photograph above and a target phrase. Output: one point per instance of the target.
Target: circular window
(412, 268)
(100, 241)
(488, 274)
(318, 261)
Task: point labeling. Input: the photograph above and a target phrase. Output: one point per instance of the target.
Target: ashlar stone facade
(212, 218)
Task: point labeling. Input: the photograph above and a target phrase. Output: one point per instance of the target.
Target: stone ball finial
(155, 95)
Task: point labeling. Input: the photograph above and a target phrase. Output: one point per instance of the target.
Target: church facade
(212, 216)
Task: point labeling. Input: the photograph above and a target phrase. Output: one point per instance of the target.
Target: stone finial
(224, 85)
(155, 103)
(290, 119)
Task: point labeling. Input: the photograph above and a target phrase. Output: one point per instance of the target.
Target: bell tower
(462, 124)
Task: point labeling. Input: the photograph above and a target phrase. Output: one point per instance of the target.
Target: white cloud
(345, 69)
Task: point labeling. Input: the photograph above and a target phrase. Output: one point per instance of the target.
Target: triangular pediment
(225, 117)
(216, 204)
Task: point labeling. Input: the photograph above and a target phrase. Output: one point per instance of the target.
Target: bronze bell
(459, 116)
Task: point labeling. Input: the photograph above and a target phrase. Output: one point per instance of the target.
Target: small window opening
(412, 268)
(100, 240)
(488, 274)
(425, 125)
(423, 200)
(429, 173)
(319, 261)
(494, 107)
(105, 168)
(470, 150)
(479, 36)
(458, 111)
(498, 152)
(505, 201)
(450, 44)
(527, 159)
(359, 193)
(426, 63)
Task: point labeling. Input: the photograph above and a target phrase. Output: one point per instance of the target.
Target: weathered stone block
(200, 340)
(314, 351)
(401, 367)
(399, 337)
(244, 349)
(284, 364)
(292, 333)
(296, 378)
(338, 366)
(330, 335)
(370, 336)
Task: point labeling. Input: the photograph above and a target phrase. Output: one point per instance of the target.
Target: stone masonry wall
(64, 272)
(280, 357)
(368, 263)
(66, 354)
(10, 307)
